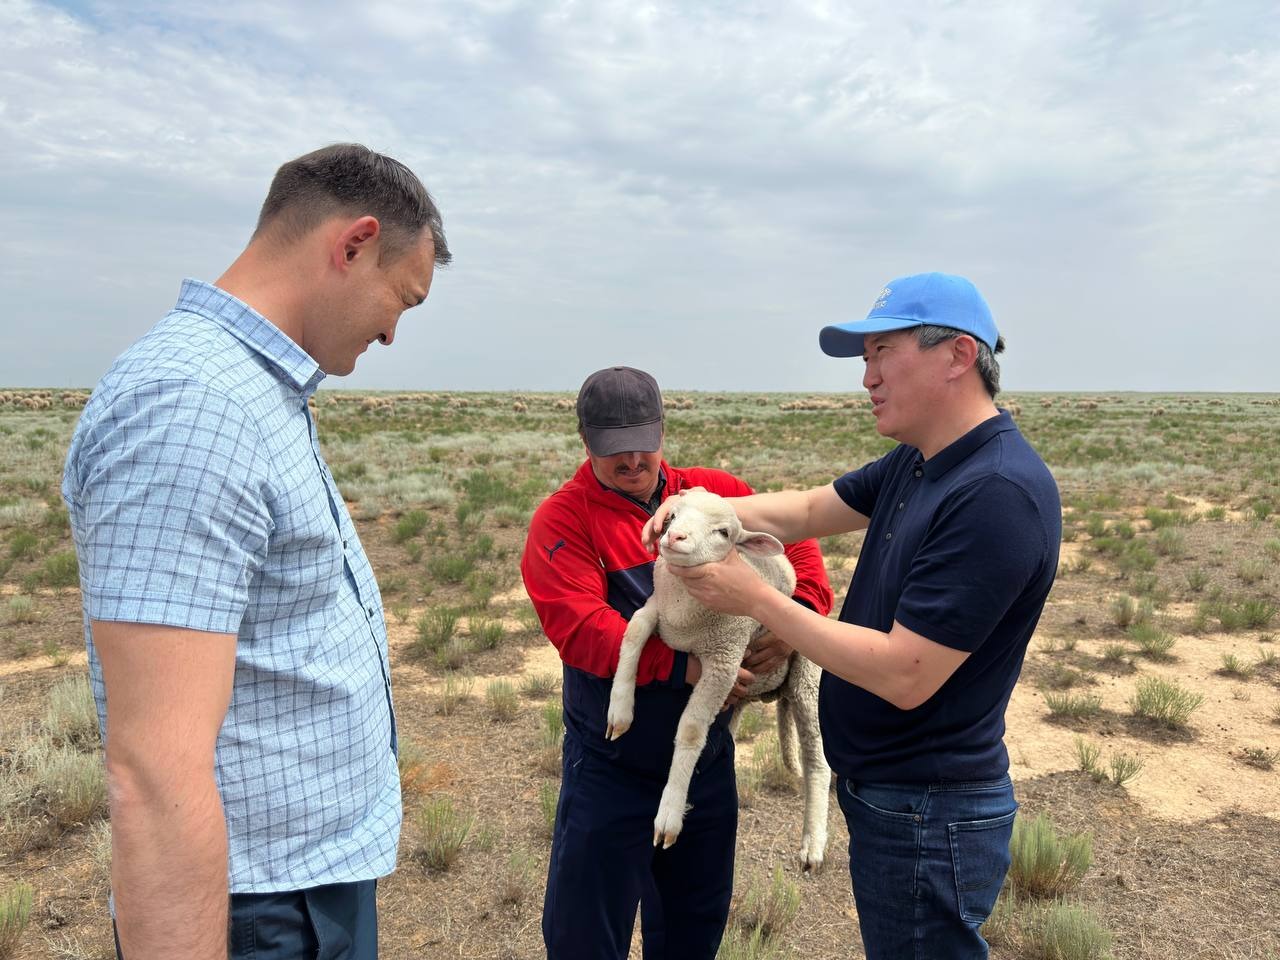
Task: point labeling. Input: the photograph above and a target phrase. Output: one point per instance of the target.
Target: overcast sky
(692, 188)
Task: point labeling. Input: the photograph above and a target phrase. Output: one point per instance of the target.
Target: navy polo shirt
(962, 548)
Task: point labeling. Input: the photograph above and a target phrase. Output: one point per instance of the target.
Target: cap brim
(845, 339)
(607, 441)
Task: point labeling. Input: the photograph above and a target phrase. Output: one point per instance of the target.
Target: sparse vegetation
(500, 695)
(442, 832)
(16, 902)
(1045, 865)
(1073, 706)
(1165, 702)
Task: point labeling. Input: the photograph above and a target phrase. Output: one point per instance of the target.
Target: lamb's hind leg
(691, 736)
(803, 693)
(622, 695)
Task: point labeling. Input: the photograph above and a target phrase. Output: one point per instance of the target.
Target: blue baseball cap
(923, 298)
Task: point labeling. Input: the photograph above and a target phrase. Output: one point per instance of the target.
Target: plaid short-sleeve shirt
(199, 499)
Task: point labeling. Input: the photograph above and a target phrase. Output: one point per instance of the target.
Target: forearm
(784, 514)
(860, 655)
(168, 866)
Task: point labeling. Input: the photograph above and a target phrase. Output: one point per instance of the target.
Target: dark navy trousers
(604, 864)
(334, 922)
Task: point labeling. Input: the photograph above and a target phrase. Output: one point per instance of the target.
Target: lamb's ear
(759, 544)
(693, 490)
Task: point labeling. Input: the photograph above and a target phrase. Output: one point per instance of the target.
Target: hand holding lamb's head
(701, 527)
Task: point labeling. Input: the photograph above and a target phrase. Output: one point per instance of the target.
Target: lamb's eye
(723, 531)
(667, 522)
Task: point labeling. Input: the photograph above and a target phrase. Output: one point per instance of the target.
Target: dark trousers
(334, 922)
(603, 862)
(927, 862)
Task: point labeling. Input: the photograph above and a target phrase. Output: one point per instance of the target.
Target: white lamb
(703, 527)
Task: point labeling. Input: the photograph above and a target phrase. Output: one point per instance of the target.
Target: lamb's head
(702, 527)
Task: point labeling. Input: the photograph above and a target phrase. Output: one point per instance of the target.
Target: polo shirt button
(919, 473)
(344, 544)
(369, 610)
(888, 536)
(900, 506)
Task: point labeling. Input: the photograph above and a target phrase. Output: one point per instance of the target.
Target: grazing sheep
(702, 528)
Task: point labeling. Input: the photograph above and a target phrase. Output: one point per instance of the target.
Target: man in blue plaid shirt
(237, 646)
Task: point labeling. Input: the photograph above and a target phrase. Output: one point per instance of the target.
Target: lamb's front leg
(708, 696)
(622, 695)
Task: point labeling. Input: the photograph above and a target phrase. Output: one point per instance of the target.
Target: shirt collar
(650, 506)
(957, 451)
(254, 330)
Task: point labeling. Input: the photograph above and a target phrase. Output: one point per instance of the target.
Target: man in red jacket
(587, 572)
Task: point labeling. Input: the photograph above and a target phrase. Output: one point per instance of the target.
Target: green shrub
(1171, 543)
(770, 908)
(435, 629)
(1162, 519)
(451, 567)
(1196, 579)
(1233, 666)
(443, 831)
(1114, 653)
(15, 912)
(22, 544)
(486, 633)
(500, 695)
(1165, 702)
(61, 570)
(71, 785)
(1064, 931)
(71, 716)
(21, 609)
(456, 691)
(1252, 571)
(1152, 641)
(1260, 757)
(1088, 756)
(548, 800)
(536, 686)
(410, 525)
(1124, 767)
(1256, 613)
(1043, 864)
(1072, 706)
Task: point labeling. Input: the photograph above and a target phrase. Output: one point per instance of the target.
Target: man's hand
(766, 654)
(745, 678)
(653, 527)
(728, 586)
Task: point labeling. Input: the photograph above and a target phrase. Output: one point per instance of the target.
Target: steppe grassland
(1168, 581)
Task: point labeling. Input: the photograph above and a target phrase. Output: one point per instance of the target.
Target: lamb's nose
(674, 536)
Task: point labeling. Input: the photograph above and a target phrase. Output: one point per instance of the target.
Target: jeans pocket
(980, 859)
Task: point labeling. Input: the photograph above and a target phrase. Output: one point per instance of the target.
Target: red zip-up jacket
(587, 572)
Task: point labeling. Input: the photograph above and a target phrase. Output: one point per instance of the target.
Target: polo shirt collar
(959, 450)
(253, 330)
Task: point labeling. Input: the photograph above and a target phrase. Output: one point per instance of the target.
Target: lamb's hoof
(665, 839)
(616, 728)
(666, 826)
(811, 856)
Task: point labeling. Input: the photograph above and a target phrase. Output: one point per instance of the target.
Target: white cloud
(610, 172)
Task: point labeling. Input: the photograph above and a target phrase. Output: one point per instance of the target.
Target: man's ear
(357, 239)
(964, 354)
(759, 544)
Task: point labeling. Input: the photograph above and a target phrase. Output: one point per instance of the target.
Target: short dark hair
(347, 178)
(930, 335)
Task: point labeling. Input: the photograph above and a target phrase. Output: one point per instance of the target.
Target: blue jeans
(603, 862)
(334, 922)
(927, 862)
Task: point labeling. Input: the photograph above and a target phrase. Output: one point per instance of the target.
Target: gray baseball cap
(620, 410)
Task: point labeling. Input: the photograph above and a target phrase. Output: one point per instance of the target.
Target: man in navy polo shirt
(963, 525)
